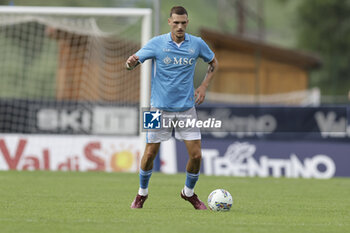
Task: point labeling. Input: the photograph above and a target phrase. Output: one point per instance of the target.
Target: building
(251, 68)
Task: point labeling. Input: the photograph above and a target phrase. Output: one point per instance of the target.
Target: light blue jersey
(173, 70)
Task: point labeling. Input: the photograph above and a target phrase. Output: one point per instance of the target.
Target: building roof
(228, 41)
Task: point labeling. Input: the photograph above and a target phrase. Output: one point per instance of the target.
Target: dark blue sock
(144, 178)
(191, 179)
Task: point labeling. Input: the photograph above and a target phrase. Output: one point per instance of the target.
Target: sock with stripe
(144, 180)
(191, 180)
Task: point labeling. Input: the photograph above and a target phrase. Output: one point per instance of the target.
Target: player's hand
(132, 60)
(199, 94)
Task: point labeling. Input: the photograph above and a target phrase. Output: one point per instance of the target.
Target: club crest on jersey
(191, 51)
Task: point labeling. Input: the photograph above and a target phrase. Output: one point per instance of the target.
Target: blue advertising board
(281, 123)
(261, 158)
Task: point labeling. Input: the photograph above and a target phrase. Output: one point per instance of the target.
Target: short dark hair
(179, 10)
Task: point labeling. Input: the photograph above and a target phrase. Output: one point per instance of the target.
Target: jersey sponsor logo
(179, 60)
(167, 60)
(183, 61)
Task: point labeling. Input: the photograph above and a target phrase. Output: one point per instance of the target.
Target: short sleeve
(147, 51)
(205, 52)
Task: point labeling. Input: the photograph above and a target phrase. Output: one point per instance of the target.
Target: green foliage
(99, 202)
(325, 28)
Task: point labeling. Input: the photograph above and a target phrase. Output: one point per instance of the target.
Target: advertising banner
(69, 153)
(236, 122)
(243, 158)
(271, 123)
(270, 158)
(68, 117)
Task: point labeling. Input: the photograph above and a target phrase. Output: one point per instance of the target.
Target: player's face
(178, 24)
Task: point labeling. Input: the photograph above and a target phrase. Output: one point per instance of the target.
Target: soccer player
(174, 57)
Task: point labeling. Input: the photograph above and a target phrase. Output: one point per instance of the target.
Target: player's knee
(151, 152)
(150, 155)
(196, 156)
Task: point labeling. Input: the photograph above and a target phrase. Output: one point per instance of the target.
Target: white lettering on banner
(68, 153)
(239, 161)
(47, 119)
(71, 120)
(241, 126)
(331, 127)
(53, 119)
(114, 120)
(101, 120)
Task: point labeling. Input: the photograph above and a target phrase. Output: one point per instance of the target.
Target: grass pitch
(99, 202)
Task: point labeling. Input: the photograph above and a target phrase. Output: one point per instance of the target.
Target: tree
(324, 27)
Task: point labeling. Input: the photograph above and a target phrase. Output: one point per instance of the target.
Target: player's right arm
(146, 52)
(132, 62)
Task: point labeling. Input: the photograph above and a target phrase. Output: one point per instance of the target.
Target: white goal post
(12, 16)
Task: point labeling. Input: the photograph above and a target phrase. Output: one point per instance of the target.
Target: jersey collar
(187, 37)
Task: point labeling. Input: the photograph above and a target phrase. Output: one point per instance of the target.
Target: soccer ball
(220, 200)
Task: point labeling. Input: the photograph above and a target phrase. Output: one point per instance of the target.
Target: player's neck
(177, 39)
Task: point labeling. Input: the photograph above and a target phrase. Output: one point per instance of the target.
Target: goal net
(62, 70)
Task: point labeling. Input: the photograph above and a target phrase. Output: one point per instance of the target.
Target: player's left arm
(202, 89)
